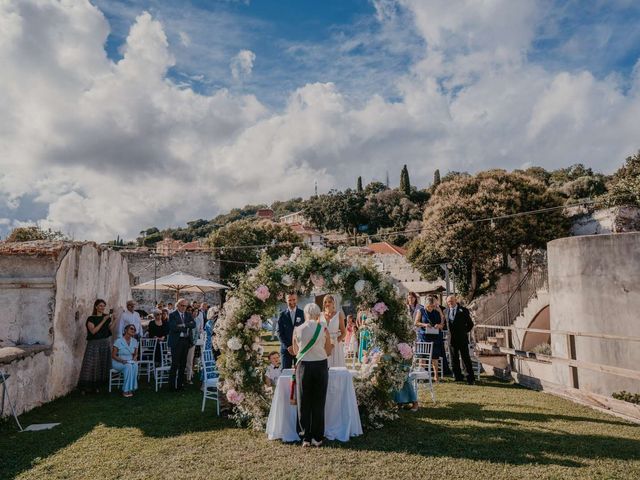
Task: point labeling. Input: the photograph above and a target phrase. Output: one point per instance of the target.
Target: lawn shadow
(162, 414)
(503, 437)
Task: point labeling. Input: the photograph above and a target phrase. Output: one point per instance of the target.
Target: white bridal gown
(337, 355)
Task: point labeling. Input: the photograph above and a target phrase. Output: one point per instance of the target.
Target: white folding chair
(116, 378)
(161, 373)
(421, 369)
(209, 379)
(146, 364)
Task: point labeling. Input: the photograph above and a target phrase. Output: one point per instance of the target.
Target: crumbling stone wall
(49, 289)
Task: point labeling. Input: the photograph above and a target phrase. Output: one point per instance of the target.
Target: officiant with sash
(290, 318)
(312, 346)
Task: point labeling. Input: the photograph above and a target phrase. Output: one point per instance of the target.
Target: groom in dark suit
(460, 324)
(289, 319)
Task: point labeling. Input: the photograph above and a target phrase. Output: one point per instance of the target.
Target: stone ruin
(47, 290)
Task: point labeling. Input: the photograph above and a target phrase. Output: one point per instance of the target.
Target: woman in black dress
(158, 329)
(430, 317)
(97, 356)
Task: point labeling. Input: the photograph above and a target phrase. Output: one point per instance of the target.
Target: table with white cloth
(342, 419)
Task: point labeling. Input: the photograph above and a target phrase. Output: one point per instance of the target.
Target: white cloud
(242, 64)
(110, 148)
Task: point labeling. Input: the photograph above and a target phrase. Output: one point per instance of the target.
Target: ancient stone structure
(594, 287)
(47, 290)
(143, 265)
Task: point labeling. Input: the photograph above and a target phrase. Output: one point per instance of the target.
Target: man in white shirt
(130, 317)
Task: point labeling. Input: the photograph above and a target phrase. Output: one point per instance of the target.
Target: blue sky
(105, 102)
(302, 41)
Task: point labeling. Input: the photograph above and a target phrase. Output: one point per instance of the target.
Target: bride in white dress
(337, 330)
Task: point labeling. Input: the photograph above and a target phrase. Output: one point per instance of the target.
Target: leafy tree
(234, 244)
(405, 184)
(538, 173)
(584, 187)
(359, 185)
(373, 188)
(453, 175)
(27, 234)
(281, 208)
(335, 210)
(390, 209)
(478, 250)
(624, 188)
(564, 175)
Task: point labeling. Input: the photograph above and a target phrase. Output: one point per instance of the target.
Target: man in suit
(460, 324)
(180, 325)
(288, 320)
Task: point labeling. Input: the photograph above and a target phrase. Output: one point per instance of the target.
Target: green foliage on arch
(241, 364)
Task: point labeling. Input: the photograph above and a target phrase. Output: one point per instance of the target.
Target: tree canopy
(478, 249)
(235, 244)
(27, 234)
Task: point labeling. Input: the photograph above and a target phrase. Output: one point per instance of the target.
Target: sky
(119, 115)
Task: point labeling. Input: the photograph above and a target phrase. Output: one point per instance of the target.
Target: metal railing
(533, 280)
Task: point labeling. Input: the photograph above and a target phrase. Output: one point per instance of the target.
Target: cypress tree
(359, 187)
(436, 178)
(405, 185)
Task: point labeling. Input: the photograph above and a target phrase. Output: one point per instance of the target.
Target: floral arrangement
(259, 294)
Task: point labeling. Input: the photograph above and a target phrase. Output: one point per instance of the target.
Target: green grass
(492, 430)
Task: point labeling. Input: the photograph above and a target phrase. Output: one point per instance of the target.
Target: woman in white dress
(337, 330)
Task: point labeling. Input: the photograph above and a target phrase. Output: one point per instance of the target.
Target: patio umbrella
(180, 282)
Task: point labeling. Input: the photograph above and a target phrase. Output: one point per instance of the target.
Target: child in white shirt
(274, 370)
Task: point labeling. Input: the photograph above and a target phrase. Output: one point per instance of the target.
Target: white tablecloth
(342, 420)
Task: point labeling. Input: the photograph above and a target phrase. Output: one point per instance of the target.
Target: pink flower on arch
(262, 293)
(380, 308)
(254, 322)
(235, 397)
(405, 350)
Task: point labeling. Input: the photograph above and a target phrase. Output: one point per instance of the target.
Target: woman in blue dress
(430, 317)
(365, 335)
(123, 356)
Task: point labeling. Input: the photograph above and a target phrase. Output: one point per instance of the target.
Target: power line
(585, 202)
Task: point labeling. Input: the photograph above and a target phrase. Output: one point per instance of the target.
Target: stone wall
(605, 221)
(142, 266)
(49, 290)
(594, 286)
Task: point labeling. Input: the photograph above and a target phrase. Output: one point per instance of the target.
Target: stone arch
(541, 320)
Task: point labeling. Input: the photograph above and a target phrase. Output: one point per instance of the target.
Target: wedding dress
(337, 355)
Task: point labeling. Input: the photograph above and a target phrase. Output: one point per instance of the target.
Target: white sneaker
(306, 444)
(316, 443)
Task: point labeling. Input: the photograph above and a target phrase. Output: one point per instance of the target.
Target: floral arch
(258, 295)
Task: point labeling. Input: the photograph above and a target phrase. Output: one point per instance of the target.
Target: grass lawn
(492, 430)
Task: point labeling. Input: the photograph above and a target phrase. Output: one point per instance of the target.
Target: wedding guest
(312, 346)
(130, 317)
(289, 319)
(273, 370)
(170, 308)
(460, 324)
(429, 318)
(208, 328)
(180, 325)
(196, 314)
(363, 334)
(123, 359)
(412, 304)
(160, 330)
(351, 339)
(97, 358)
(407, 395)
(335, 324)
(165, 315)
